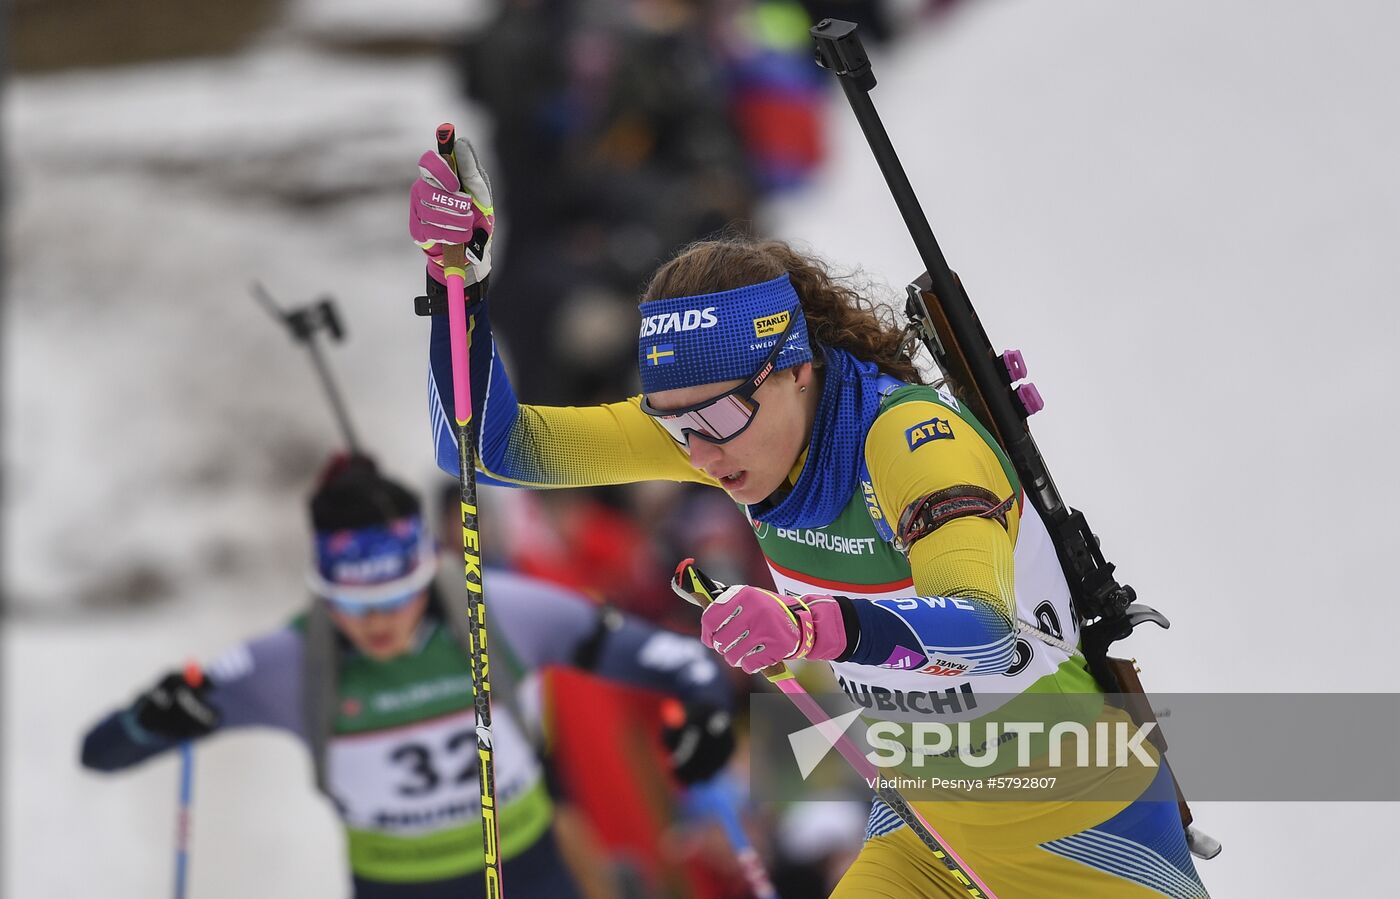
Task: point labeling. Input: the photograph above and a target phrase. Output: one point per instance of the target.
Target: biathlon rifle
(993, 387)
(942, 318)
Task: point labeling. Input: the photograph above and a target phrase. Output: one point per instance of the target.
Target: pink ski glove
(754, 628)
(444, 210)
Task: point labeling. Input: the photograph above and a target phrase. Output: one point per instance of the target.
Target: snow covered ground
(1184, 213)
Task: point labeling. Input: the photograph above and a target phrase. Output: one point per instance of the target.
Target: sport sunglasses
(722, 418)
(355, 609)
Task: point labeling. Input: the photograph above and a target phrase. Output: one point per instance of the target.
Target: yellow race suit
(951, 625)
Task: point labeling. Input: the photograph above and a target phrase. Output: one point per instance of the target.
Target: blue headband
(724, 336)
(372, 564)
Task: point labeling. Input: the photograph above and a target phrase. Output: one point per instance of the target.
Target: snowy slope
(1183, 213)
(151, 396)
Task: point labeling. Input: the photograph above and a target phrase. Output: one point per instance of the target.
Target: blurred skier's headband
(685, 341)
(374, 564)
(371, 543)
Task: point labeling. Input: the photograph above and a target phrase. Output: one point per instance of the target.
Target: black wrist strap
(435, 302)
(851, 622)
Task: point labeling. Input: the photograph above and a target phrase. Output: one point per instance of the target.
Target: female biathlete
(893, 525)
(375, 679)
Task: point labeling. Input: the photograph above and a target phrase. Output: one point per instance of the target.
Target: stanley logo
(768, 325)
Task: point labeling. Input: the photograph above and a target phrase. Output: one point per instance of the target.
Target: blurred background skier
(375, 680)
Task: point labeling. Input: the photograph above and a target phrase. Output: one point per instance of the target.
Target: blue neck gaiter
(850, 400)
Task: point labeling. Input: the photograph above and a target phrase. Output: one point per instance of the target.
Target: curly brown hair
(837, 313)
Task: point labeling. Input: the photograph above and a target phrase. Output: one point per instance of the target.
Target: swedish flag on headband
(661, 354)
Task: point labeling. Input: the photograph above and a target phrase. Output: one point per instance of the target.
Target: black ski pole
(304, 323)
(454, 270)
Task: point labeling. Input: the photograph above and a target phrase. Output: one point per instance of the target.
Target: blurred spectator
(622, 544)
(817, 841)
(624, 131)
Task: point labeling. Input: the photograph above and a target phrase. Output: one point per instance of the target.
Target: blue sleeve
(547, 625)
(257, 683)
(640, 655)
(959, 635)
(525, 445)
(118, 742)
(494, 407)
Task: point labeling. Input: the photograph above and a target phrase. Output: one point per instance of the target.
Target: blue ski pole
(712, 797)
(182, 826)
(193, 676)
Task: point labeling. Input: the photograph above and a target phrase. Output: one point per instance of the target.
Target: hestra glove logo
(674, 322)
(452, 202)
